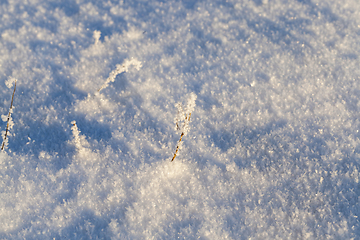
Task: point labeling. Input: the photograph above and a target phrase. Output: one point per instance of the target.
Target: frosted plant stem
(182, 134)
(8, 120)
(182, 120)
(177, 148)
(120, 69)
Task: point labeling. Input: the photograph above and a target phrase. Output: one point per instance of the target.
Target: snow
(272, 150)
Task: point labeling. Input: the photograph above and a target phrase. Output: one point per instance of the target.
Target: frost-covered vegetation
(272, 150)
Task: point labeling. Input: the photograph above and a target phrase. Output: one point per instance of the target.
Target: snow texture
(273, 150)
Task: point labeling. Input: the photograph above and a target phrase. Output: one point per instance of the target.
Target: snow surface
(273, 147)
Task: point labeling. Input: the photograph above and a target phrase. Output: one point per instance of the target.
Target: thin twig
(177, 148)
(182, 134)
(8, 120)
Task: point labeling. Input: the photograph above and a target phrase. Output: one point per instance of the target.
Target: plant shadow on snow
(38, 137)
(54, 137)
(135, 116)
(92, 129)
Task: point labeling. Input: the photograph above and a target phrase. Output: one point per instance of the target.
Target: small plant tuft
(182, 120)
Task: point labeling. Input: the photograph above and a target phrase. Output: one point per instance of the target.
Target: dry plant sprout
(182, 120)
(9, 120)
(120, 68)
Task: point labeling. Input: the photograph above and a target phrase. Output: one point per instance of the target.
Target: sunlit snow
(271, 151)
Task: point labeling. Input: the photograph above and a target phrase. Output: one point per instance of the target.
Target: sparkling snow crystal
(96, 36)
(10, 82)
(76, 135)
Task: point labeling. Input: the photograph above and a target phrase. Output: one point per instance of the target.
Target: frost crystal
(10, 82)
(191, 103)
(4, 118)
(5, 140)
(96, 36)
(76, 134)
